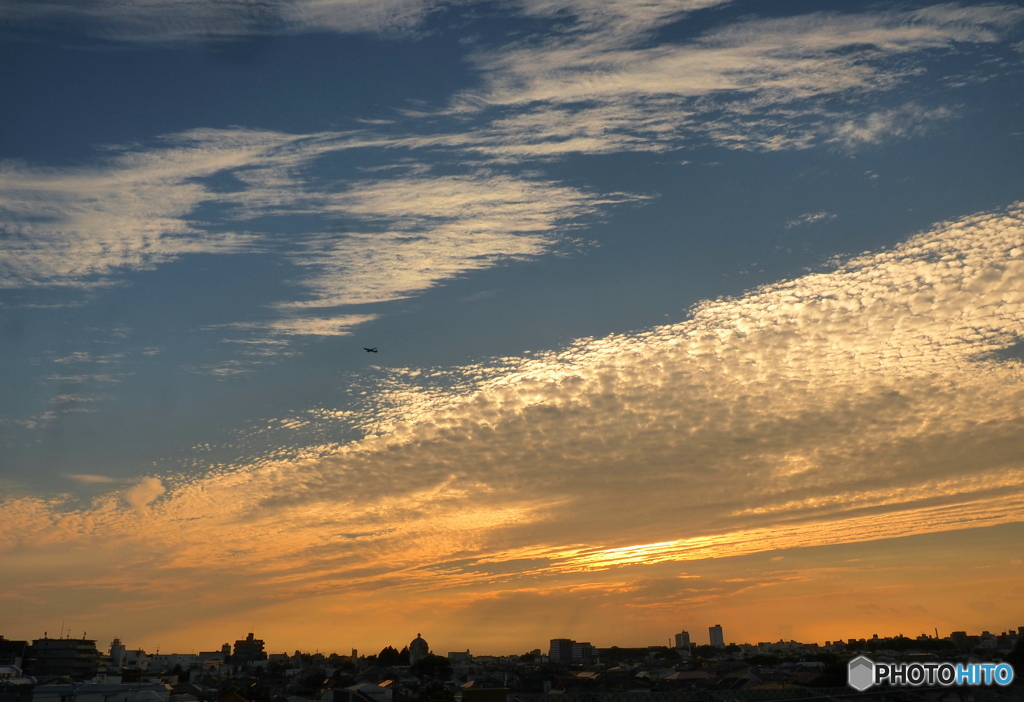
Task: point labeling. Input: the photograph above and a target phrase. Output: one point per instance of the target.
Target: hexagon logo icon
(861, 673)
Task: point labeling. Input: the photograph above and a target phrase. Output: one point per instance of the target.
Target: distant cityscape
(69, 669)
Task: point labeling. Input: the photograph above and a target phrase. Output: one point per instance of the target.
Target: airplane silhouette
(373, 350)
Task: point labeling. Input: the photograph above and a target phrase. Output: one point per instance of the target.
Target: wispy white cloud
(431, 229)
(91, 478)
(320, 326)
(92, 226)
(78, 227)
(608, 15)
(810, 218)
(758, 84)
(884, 125)
(88, 226)
(595, 85)
(339, 325)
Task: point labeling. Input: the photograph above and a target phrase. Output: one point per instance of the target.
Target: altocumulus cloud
(874, 400)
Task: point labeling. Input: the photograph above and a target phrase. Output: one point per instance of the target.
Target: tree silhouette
(389, 656)
(432, 667)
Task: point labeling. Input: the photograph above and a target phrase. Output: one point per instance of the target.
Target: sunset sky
(688, 312)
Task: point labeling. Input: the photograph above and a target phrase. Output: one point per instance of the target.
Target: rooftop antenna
(62, 628)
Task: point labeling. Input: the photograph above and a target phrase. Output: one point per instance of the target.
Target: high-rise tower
(716, 636)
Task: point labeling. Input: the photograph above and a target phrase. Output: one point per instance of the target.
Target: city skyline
(959, 638)
(510, 320)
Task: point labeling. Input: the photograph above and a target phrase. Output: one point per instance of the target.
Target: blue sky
(701, 279)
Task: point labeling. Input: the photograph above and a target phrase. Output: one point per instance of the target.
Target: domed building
(418, 650)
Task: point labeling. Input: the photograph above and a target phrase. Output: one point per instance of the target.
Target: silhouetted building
(135, 660)
(248, 651)
(561, 650)
(569, 651)
(683, 639)
(459, 657)
(75, 658)
(117, 653)
(12, 652)
(583, 652)
(716, 636)
(418, 650)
